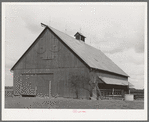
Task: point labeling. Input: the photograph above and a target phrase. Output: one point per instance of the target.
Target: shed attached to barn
(58, 64)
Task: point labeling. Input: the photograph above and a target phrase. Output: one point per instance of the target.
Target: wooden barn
(57, 64)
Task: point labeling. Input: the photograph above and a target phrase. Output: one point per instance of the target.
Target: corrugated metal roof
(113, 81)
(95, 58)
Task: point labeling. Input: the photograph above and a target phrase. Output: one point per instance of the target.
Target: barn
(57, 64)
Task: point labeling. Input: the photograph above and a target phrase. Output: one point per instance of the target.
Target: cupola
(80, 37)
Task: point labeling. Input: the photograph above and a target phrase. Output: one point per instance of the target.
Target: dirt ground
(63, 103)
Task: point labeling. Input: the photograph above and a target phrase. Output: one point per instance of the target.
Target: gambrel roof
(93, 57)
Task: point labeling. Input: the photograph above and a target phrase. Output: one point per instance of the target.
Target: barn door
(44, 85)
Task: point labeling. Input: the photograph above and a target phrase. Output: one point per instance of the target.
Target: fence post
(122, 93)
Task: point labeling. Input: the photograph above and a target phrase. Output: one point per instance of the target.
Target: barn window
(82, 38)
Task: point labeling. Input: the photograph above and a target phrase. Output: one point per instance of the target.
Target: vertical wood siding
(50, 55)
(49, 52)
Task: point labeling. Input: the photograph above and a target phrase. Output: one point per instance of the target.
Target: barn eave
(101, 70)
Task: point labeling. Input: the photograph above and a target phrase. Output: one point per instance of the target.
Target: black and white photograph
(74, 60)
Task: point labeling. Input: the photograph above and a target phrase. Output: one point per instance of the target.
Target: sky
(117, 29)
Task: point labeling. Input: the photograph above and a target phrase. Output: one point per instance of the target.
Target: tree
(78, 81)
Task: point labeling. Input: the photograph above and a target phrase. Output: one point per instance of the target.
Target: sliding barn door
(44, 85)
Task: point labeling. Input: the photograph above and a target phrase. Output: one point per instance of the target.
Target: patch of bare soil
(63, 103)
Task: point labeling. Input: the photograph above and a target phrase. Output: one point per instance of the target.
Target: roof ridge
(75, 39)
(61, 31)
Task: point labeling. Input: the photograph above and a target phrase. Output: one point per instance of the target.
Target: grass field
(63, 103)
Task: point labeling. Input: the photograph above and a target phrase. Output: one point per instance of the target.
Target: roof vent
(79, 36)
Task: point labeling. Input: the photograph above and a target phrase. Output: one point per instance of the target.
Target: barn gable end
(48, 51)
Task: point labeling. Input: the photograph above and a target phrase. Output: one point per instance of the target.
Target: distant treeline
(138, 93)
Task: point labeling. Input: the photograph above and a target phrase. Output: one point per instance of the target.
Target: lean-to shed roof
(113, 81)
